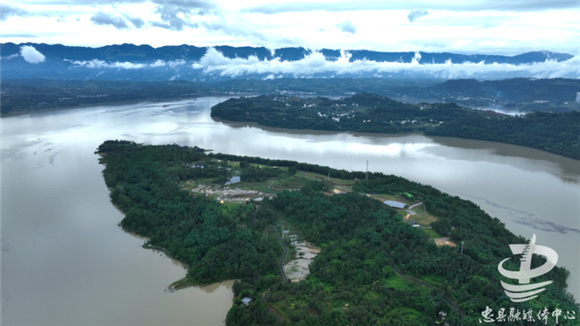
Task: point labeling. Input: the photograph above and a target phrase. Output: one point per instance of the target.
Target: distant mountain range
(187, 62)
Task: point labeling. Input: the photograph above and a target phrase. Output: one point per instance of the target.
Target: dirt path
(421, 203)
(271, 227)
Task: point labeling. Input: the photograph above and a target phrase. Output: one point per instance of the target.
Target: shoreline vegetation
(517, 94)
(20, 96)
(552, 126)
(176, 196)
(557, 133)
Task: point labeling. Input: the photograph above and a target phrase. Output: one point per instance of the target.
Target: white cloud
(175, 15)
(8, 11)
(158, 63)
(10, 57)
(347, 27)
(213, 62)
(416, 14)
(99, 64)
(31, 55)
(136, 21)
(102, 18)
(476, 27)
(457, 6)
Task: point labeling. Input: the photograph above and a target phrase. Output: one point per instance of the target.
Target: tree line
(557, 133)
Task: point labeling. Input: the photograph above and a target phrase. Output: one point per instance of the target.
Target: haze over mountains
(186, 62)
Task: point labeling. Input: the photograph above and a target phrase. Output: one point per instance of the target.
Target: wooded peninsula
(557, 133)
(374, 268)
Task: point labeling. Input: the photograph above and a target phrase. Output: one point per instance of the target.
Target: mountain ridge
(194, 53)
(202, 64)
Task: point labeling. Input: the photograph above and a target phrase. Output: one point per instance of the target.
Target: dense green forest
(21, 95)
(515, 93)
(366, 246)
(557, 133)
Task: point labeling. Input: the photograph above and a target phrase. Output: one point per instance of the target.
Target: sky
(468, 27)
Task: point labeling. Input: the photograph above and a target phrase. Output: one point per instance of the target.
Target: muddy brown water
(65, 261)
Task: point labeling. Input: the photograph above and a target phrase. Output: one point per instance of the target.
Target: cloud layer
(102, 18)
(8, 11)
(98, 64)
(468, 27)
(176, 15)
(458, 6)
(417, 13)
(347, 27)
(213, 62)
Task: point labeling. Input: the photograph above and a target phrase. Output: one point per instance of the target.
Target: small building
(406, 194)
(415, 224)
(246, 301)
(394, 204)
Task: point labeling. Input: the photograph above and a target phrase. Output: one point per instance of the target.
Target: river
(66, 261)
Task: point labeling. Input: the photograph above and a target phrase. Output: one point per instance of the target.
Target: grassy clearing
(403, 213)
(294, 182)
(423, 219)
(400, 283)
(431, 233)
(433, 281)
(406, 313)
(336, 181)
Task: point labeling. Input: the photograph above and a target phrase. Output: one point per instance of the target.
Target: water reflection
(412, 146)
(567, 169)
(227, 285)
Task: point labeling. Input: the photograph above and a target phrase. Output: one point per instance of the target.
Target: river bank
(64, 255)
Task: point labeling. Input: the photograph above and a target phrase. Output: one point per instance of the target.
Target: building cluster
(233, 195)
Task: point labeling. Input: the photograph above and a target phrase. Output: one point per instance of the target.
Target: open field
(336, 181)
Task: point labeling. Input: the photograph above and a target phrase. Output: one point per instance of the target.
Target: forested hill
(523, 94)
(367, 247)
(557, 133)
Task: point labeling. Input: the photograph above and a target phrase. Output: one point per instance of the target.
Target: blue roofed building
(246, 301)
(394, 204)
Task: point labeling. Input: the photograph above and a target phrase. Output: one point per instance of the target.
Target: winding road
(271, 227)
(265, 296)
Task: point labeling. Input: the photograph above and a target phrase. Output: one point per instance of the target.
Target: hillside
(557, 133)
